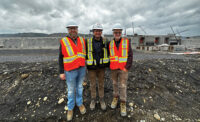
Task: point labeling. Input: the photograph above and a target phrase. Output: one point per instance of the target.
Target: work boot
(114, 102)
(69, 115)
(92, 104)
(82, 109)
(123, 108)
(103, 104)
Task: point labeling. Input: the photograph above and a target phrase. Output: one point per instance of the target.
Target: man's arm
(86, 49)
(61, 65)
(130, 57)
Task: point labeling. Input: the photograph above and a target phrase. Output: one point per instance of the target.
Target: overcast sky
(51, 16)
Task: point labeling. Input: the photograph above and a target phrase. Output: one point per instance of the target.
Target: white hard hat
(72, 24)
(117, 26)
(97, 26)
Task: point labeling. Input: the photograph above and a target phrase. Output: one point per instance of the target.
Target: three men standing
(97, 50)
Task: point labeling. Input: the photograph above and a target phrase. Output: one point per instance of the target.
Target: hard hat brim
(117, 29)
(97, 29)
(72, 26)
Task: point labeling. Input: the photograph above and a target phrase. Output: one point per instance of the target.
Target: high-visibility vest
(73, 55)
(90, 51)
(118, 57)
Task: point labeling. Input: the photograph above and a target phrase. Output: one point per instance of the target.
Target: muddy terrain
(159, 89)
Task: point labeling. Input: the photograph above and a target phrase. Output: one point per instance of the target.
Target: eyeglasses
(97, 30)
(117, 32)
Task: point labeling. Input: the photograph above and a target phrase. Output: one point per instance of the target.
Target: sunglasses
(97, 31)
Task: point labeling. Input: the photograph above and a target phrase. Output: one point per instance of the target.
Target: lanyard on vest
(83, 53)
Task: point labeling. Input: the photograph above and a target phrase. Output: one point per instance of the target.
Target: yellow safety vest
(91, 60)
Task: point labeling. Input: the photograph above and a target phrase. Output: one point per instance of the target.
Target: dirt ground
(158, 89)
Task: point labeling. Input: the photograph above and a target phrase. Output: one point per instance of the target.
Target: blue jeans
(74, 81)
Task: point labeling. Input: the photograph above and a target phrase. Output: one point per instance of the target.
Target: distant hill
(25, 35)
(61, 35)
(37, 35)
(43, 35)
(57, 35)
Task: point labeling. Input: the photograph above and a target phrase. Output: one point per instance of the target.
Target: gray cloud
(51, 16)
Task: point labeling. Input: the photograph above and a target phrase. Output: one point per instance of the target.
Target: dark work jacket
(98, 53)
(130, 54)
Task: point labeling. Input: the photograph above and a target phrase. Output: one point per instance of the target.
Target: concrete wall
(1, 44)
(191, 43)
(30, 42)
(53, 42)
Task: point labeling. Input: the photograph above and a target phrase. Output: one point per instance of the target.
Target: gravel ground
(28, 55)
(161, 87)
(158, 89)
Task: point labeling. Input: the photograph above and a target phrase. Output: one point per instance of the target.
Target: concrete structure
(140, 42)
(151, 42)
(33, 42)
(191, 43)
(1, 44)
(30, 42)
(164, 42)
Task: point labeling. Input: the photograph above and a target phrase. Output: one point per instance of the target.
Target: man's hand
(62, 76)
(125, 70)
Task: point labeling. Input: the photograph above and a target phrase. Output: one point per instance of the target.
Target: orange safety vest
(73, 55)
(118, 58)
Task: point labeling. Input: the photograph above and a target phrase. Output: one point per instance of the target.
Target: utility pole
(125, 32)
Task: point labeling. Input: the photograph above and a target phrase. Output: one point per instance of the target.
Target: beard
(73, 35)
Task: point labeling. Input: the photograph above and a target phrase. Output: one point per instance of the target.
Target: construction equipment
(142, 29)
(178, 39)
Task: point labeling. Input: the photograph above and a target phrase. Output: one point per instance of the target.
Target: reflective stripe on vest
(122, 59)
(82, 55)
(90, 55)
(68, 46)
(124, 48)
(82, 43)
(69, 59)
(112, 52)
(105, 58)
